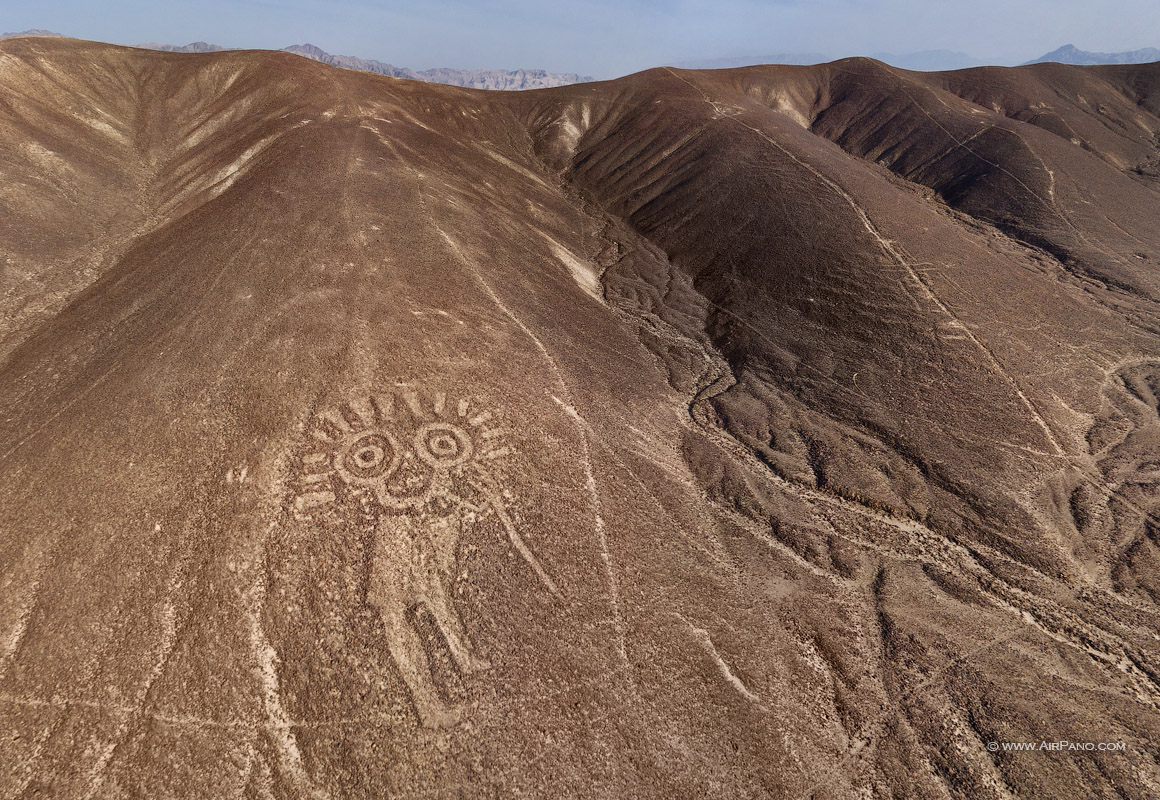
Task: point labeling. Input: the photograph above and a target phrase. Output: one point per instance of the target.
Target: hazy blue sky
(606, 38)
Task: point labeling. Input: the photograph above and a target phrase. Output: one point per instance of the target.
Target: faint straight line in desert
(601, 534)
(1144, 685)
(1052, 206)
(950, 555)
(177, 720)
(677, 526)
(706, 641)
(893, 252)
(27, 604)
(60, 411)
(590, 481)
(866, 399)
(496, 504)
(280, 725)
(165, 647)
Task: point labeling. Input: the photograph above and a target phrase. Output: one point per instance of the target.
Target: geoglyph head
(406, 451)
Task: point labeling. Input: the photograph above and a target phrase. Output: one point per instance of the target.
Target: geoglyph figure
(422, 467)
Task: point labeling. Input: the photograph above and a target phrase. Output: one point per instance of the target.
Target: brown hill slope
(768, 432)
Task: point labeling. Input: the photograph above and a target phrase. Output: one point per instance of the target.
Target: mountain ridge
(1070, 54)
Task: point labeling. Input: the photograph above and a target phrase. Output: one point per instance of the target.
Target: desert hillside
(770, 432)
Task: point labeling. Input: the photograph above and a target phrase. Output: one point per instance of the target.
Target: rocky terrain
(771, 432)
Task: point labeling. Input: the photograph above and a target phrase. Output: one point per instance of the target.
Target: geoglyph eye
(371, 456)
(442, 445)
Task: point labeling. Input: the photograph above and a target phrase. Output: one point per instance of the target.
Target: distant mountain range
(193, 47)
(503, 79)
(925, 60)
(30, 32)
(499, 79)
(933, 60)
(1070, 54)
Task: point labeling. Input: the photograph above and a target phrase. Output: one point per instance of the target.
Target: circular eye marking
(442, 445)
(370, 456)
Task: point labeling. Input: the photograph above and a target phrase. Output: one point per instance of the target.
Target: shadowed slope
(640, 438)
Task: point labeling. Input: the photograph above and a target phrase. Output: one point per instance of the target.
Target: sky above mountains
(608, 37)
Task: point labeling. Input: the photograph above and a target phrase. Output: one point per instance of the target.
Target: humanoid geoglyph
(424, 468)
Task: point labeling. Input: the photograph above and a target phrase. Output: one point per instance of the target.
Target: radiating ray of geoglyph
(423, 468)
